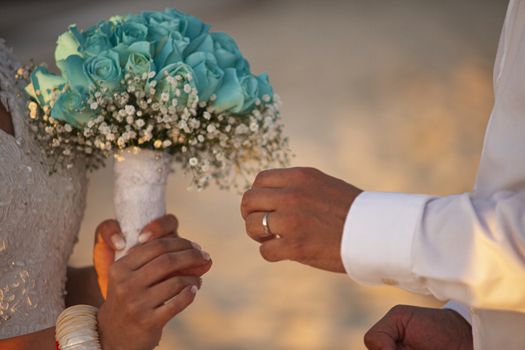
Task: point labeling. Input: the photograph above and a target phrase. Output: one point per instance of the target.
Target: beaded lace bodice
(40, 216)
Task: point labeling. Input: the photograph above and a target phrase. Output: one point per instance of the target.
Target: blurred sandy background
(390, 95)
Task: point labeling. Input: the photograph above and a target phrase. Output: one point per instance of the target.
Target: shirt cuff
(460, 308)
(378, 235)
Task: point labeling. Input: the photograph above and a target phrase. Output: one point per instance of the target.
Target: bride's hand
(146, 289)
(109, 239)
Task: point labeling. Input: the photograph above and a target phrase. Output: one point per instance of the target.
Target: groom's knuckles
(260, 199)
(284, 177)
(266, 178)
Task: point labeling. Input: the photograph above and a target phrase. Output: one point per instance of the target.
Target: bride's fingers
(196, 271)
(140, 255)
(162, 292)
(110, 233)
(255, 228)
(176, 304)
(168, 264)
(163, 226)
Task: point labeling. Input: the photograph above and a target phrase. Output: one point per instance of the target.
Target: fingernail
(205, 255)
(196, 246)
(194, 289)
(118, 241)
(144, 236)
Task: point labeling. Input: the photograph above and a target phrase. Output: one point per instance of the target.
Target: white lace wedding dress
(39, 220)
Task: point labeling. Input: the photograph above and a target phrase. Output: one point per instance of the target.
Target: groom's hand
(307, 213)
(410, 327)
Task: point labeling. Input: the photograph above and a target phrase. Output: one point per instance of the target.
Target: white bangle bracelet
(76, 328)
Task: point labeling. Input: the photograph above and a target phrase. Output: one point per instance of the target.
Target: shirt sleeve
(460, 308)
(456, 247)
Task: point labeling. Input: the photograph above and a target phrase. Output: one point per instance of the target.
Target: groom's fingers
(275, 249)
(255, 228)
(163, 226)
(280, 178)
(261, 200)
(384, 335)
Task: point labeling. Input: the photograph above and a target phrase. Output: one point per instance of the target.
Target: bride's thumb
(109, 234)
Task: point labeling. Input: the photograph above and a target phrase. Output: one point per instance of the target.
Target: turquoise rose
(154, 18)
(104, 70)
(130, 32)
(68, 44)
(226, 50)
(72, 69)
(171, 49)
(230, 96)
(265, 89)
(43, 84)
(136, 58)
(72, 109)
(189, 26)
(164, 86)
(243, 67)
(208, 75)
(98, 38)
(221, 45)
(250, 90)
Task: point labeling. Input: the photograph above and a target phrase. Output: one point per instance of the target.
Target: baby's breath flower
(193, 161)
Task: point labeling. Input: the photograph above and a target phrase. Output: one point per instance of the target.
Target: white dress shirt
(468, 247)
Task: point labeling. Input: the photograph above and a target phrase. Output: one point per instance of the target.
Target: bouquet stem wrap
(139, 194)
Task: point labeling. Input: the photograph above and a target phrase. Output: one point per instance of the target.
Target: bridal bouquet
(152, 89)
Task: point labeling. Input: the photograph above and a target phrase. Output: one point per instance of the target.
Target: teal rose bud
(104, 70)
(130, 32)
(250, 89)
(71, 108)
(208, 75)
(230, 96)
(43, 85)
(171, 49)
(176, 81)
